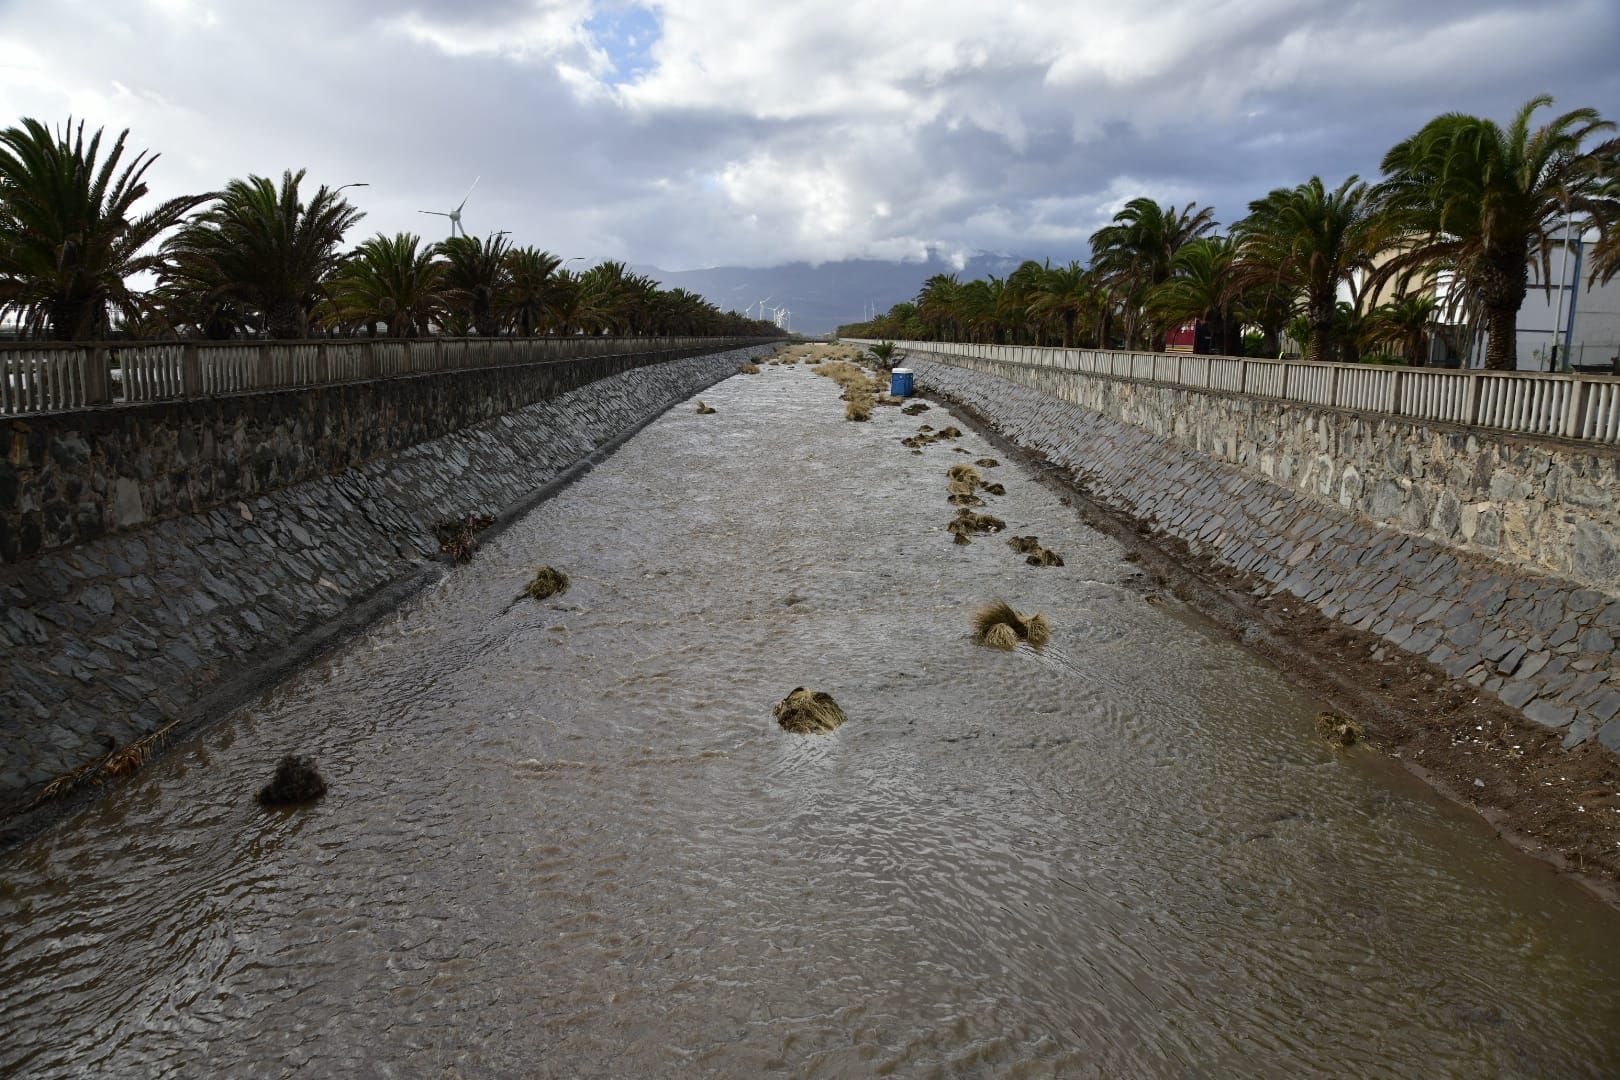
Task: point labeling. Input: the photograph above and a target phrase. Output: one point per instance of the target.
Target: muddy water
(567, 839)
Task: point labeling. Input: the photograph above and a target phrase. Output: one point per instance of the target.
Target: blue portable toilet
(900, 382)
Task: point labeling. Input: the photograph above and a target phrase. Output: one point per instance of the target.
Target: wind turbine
(761, 305)
(455, 215)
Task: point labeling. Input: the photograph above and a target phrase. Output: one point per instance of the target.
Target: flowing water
(566, 838)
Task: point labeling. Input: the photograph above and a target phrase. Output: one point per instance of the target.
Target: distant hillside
(823, 297)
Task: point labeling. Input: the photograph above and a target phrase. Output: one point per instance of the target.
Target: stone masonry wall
(1542, 644)
(109, 640)
(1548, 506)
(69, 477)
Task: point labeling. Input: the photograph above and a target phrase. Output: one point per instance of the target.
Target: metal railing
(1584, 407)
(47, 376)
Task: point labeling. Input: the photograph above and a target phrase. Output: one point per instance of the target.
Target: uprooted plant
(547, 582)
(808, 712)
(1001, 626)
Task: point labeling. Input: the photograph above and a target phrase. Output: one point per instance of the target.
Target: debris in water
(749, 369)
(1031, 628)
(1000, 636)
(949, 433)
(962, 498)
(808, 712)
(296, 781)
(1044, 557)
(548, 582)
(966, 522)
(915, 408)
(1338, 730)
(994, 489)
(987, 463)
(458, 537)
(965, 473)
(925, 429)
(703, 410)
(1024, 545)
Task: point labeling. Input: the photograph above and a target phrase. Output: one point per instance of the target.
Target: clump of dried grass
(966, 474)
(296, 781)
(548, 582)
(967, 524)
(858, 409)
(915, 408)
(1044, 557)
(1024, 545)
(1340, 731)
(808, 712)
(749, 369)
(994, 489)
(987, 463)
(949, 433)
(703, 410)
(1031, 628)
(1000, 636)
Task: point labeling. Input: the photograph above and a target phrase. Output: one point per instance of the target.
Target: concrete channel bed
(108, 641)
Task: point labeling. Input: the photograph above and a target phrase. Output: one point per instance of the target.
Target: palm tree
(1490, 200)
(528, 279)
(1134, 253)
(69, 236)
(392, 279)
(1203, 284)
(1066, 292)
(938, 305)
(475, 277)
(1312, 239)
(265, 249)
(1403, 323)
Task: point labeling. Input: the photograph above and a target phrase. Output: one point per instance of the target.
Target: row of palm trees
(1444, 243)
(83, 256)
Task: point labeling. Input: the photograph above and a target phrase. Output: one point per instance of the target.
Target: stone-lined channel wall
(1543, 644)
(109, 640)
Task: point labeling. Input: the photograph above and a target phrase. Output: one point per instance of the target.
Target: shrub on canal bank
(548, 582)
(808, 712)
(296, 781)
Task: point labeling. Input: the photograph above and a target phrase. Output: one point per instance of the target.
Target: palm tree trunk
(1502, 288)
(284, 320)
(1322, 307)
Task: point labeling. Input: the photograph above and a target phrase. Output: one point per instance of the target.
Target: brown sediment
(1559, 806)
(808, 712)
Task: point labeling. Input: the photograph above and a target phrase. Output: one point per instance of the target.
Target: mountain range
(823, 296)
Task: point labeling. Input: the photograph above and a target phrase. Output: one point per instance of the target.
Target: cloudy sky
(711, 132)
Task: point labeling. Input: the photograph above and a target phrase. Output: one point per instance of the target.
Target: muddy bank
(1560, 806)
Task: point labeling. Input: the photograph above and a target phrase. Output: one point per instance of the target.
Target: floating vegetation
(949, 433)
(703, 410)
(1031, 628)
(749, 369)
(987, 463)
(458, 537)
(965, 474)
(994, 489)
(296, 781)
(915, 408)
(808, 712)
(967, 523)
(1044, 557)
(1000, 636)
(1338, 730)
(925, 429)
(548, 582)
(1024, 545)
(959, 498)
(960, 450)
